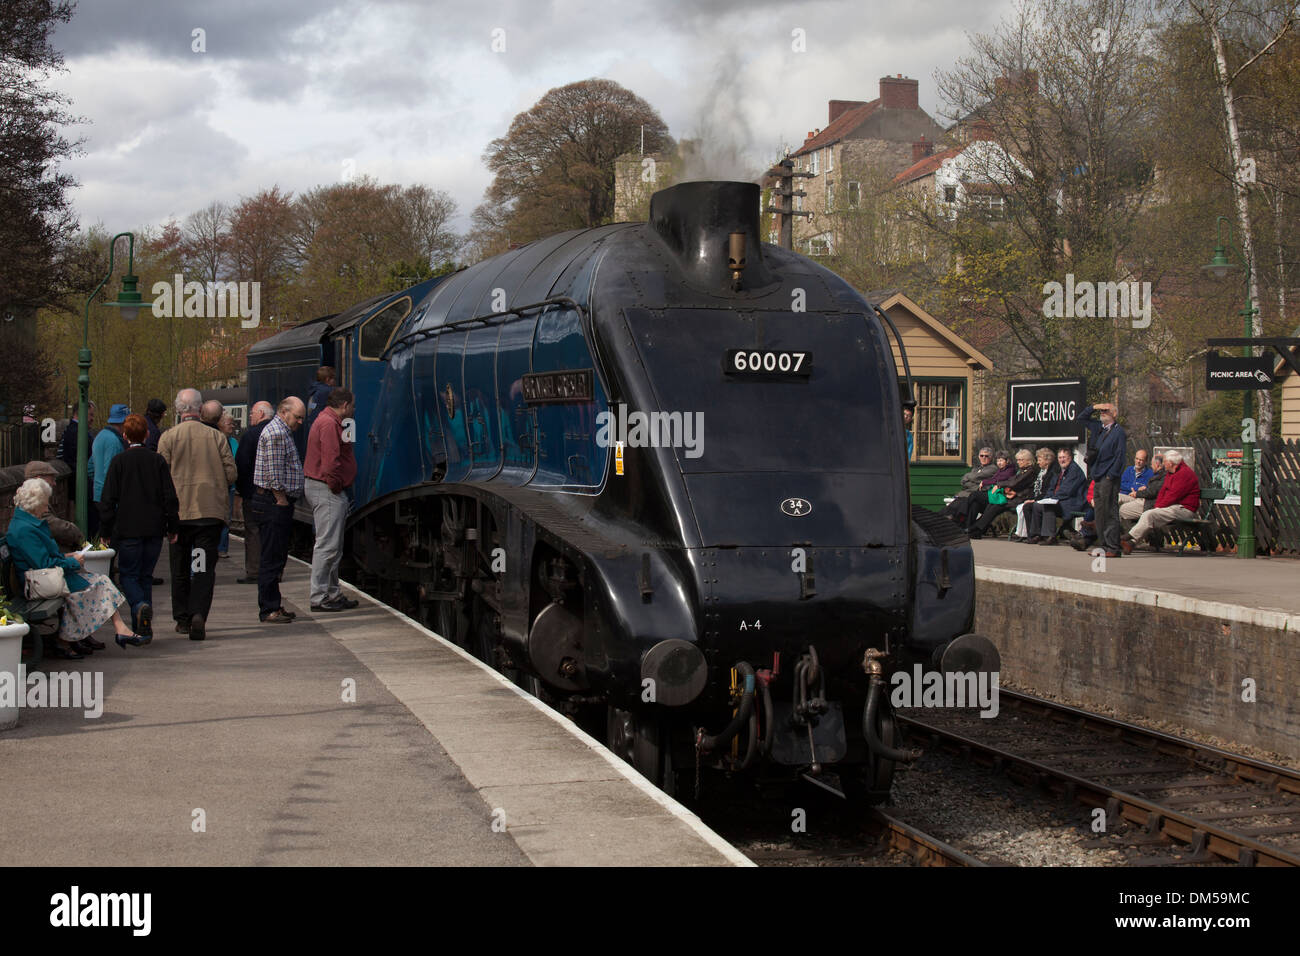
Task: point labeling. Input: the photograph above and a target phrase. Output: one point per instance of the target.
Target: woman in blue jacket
(93, 599)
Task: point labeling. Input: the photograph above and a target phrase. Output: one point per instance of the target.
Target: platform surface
(1270, 584)
(439, 761)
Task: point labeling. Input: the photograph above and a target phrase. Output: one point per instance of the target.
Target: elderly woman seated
(93, 599)
(1014, 490)
(978, 500)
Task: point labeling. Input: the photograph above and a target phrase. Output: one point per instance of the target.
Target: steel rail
(1201, 835)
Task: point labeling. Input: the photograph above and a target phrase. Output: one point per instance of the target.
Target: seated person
(1143, 497)
(1179, 497)
(1044, 477)
(1135, 475)
(1020, 483)
(93, 599)
(1064, 497)
(66, 534)
(970, 482)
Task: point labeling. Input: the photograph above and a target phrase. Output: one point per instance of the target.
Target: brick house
(859, 134)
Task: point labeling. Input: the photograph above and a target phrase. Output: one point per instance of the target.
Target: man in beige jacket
(202, 471)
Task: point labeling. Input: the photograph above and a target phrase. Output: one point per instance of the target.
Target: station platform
(1186, 642)
(241, 750)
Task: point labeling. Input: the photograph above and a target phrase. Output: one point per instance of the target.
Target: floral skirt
(85, 612)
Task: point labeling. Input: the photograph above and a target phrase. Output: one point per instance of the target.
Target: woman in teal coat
(92, 601)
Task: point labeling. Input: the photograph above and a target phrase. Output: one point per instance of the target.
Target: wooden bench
(1203, 529)
(42, 616)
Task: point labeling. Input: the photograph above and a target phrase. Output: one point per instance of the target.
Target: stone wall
(1147, 654)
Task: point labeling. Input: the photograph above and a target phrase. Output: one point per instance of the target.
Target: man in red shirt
(329, 471)
(1179, 497)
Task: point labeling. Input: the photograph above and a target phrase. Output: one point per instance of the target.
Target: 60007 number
(768, 363)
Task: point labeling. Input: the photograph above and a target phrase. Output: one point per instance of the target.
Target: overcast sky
(288, 91)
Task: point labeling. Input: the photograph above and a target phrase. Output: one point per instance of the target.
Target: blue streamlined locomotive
(657, 471)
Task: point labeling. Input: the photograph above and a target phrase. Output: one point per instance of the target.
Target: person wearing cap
(66, 533)
(153, 414)
(108, 445)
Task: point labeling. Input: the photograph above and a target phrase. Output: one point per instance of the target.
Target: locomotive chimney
(712, 231)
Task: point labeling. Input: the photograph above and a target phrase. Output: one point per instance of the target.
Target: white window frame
(830, 158)
(813, 159)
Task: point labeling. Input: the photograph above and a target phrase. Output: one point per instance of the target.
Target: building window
(949, 193)
(773, 236)
(820, 245)
(854, 195)
(830, 158)
(939, 421)
(830, 195)
(812, 158)
(990, 206)
(798, 203)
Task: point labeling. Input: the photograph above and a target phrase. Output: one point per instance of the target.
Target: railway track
(1222, 805)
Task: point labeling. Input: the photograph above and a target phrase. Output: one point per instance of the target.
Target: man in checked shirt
(278, 482)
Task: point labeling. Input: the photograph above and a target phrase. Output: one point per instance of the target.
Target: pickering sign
(1045, 411)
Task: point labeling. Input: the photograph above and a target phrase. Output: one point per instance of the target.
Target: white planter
(11, 655)
(97, 562)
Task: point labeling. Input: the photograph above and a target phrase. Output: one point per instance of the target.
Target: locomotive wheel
(643, 742)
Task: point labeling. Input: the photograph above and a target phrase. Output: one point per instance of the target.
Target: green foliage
(1221, 416)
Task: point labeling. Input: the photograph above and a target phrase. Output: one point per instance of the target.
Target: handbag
(997, 496)
(42, 584)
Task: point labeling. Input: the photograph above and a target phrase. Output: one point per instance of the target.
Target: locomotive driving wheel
(643, 742)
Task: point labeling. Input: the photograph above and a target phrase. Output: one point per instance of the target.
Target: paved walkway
(1264, 583)
(438, 762)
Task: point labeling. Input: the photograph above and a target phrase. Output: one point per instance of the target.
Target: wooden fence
(19, 443)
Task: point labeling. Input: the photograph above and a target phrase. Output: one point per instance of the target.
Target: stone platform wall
(1148, 654)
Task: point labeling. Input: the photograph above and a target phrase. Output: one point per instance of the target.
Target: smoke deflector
(705, 225)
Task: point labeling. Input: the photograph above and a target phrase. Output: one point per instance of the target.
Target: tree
(554, 168)
(36, 220)
(1063, 89)
(1271, 23)
(207, 240)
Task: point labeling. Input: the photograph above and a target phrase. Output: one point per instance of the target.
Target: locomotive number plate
(766, 363)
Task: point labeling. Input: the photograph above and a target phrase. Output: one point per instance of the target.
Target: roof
(888, 298)
(927, 165)
(844, 124)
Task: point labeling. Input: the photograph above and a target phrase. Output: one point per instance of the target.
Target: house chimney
(899, 93)
(922, 149)
(838, 107)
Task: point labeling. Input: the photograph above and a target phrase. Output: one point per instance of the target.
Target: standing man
(1112, 449)
(202, 468)
(1179, 497)
(277, 480)
(329, 471)
(154, 412)
(245, 458)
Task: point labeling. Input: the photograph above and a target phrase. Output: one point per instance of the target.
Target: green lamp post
(130, 302)
(1219, 267)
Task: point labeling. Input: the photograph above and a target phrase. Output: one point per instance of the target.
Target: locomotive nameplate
(558, 388)
(767, 363)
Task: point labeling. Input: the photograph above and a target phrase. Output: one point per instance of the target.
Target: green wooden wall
(934, 481)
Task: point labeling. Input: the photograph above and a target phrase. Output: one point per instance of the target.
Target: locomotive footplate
(790, 744)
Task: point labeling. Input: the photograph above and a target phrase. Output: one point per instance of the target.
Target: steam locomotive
(656, 472)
